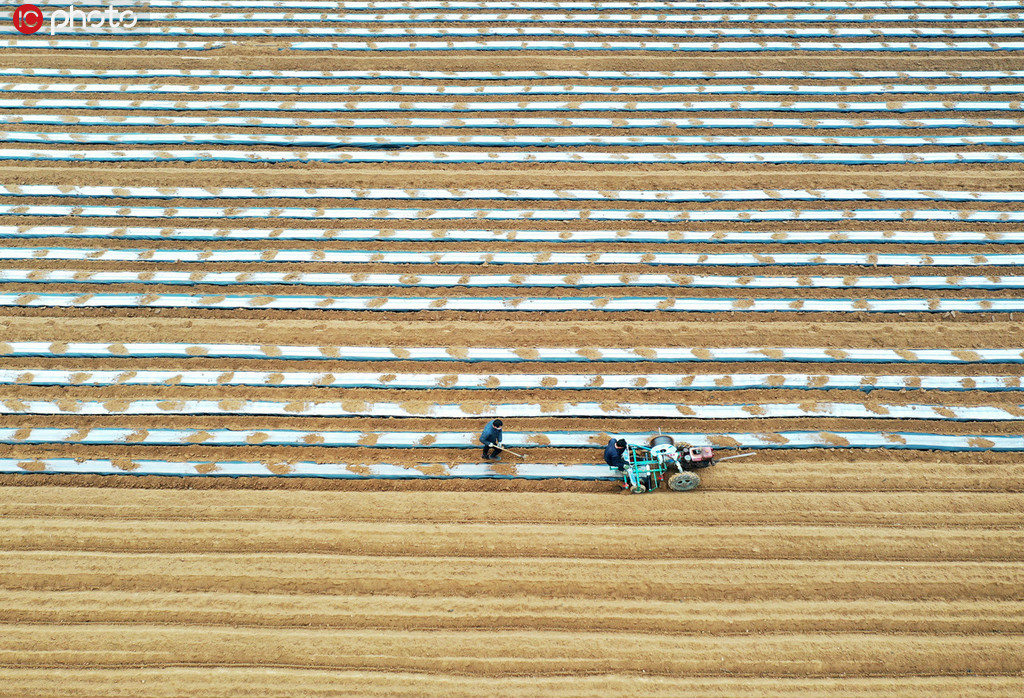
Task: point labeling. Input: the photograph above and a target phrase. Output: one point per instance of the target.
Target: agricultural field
(267, 267)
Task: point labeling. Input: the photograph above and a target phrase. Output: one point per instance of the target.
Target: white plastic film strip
(293, 352)
(511, 214)
(568, 236)
(679, 46)
(582, 17)
(346, 408)
(689, 259)
(510, 381)
(377, 5)
(536, 304)
(499, 75)
(574, 17)
(361, 471)
(433, 140)
(495, 157)
(460, 123)
(468, 440)
(100, 45)
(461, 107)
(496, 141)
(588, 32)
(246, 278)
(505, 90)
(655, 195)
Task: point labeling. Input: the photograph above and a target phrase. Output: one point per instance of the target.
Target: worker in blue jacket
(491, 439)
(615, 454)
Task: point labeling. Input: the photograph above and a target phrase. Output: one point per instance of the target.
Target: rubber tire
(637, 489)
(661, 439)
(684, 481)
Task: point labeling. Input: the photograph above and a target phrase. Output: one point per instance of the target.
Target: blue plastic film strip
(413, 194)
(508, 214)
(468, 440)
(465, 107)
(377, 5)
(392, 142)
(621, 410)
(293, 352)
(462, 123)
(505, 304)
(359, 471)
(211, 16)
(500, 90)
(511, 381)
(518, 75)
(496, 157)
(578, 17)
(584, 32)
(560, 236)
(505, 123)
(246, 278)
(687, 259)
(661, 46)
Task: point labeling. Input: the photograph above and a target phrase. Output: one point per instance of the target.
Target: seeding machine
(647, 466)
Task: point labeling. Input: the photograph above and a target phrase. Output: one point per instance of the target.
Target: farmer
(491, 439)
(615, 454)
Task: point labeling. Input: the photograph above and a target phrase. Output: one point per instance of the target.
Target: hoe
(646, 465)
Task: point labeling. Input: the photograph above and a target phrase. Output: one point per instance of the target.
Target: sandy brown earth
(721, 592)
(806, 573)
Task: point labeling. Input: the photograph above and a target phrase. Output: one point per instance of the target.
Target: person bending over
(615, 454)
(491, 439)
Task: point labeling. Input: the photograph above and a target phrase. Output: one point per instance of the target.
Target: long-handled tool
(519, 455)
(738, 455)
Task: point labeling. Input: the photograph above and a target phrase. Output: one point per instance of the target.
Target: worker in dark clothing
(615, 454)
(491, 439)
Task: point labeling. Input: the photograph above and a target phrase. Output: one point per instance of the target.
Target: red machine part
(700, 454)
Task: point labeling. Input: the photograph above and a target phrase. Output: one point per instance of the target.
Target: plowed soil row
(383, 292)
(618, 178)
(533, 540)
(725, 332)
(710, 506)
(495, 652)
(287, 682)
(523, 318)
(351, 612)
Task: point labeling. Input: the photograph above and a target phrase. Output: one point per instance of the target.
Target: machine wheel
(637, 489)
(684, 481)
(661, 439)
